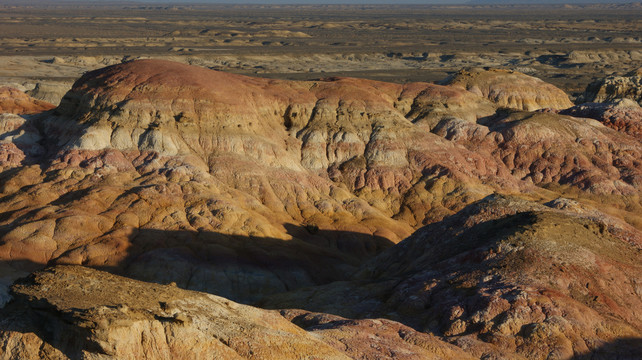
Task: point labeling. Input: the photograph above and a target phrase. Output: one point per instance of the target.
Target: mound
(511, 89)
(623, 115)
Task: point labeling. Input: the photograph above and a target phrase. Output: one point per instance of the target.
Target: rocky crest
(614, 88)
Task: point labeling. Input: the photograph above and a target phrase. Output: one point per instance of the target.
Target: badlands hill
(292, 195)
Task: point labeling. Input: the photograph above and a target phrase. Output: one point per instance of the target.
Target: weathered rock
(525, 279)
(234, 184)
(51, 92)
(247, 187)
(69, 312)
(352, 131)
(548, 149)
(14, 101)
(511, 89)
(613, 88)
(152, 149)
(623, 115)
(374, 338)
(18, 137)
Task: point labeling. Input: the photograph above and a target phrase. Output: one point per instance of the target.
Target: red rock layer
(14, 101)
(626, 116)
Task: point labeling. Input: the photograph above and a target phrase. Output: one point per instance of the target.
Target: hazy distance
(323, 2)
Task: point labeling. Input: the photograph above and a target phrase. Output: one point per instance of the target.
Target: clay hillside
(169, 211)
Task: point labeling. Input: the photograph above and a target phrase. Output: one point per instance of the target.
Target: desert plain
(569, 46)
(320, 182)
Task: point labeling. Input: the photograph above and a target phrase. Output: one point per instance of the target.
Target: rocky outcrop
(73, 312)
(613, 88)
(14, 101)
(511, 89)
(504, 278)
(624, 115)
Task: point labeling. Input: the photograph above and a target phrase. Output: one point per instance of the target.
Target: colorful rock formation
(294, 194)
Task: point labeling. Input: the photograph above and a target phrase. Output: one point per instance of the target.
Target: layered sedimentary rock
(613, 88)
(545, 148)
(511, 89)
(249, 188)
(14, 101)
(152, 164)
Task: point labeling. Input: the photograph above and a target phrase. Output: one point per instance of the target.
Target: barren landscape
(320, 182)
(568, 46)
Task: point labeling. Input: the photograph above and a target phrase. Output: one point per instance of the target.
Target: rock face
(615, 87)
(511, 89)
(74, 312)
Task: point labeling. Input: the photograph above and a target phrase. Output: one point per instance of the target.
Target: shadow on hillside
(31, 140)
(620, 349)
(241, 268)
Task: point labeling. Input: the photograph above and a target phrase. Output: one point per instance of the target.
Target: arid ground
(320, 182)
(568, 46)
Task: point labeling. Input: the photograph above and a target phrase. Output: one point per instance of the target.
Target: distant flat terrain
(566, 45)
